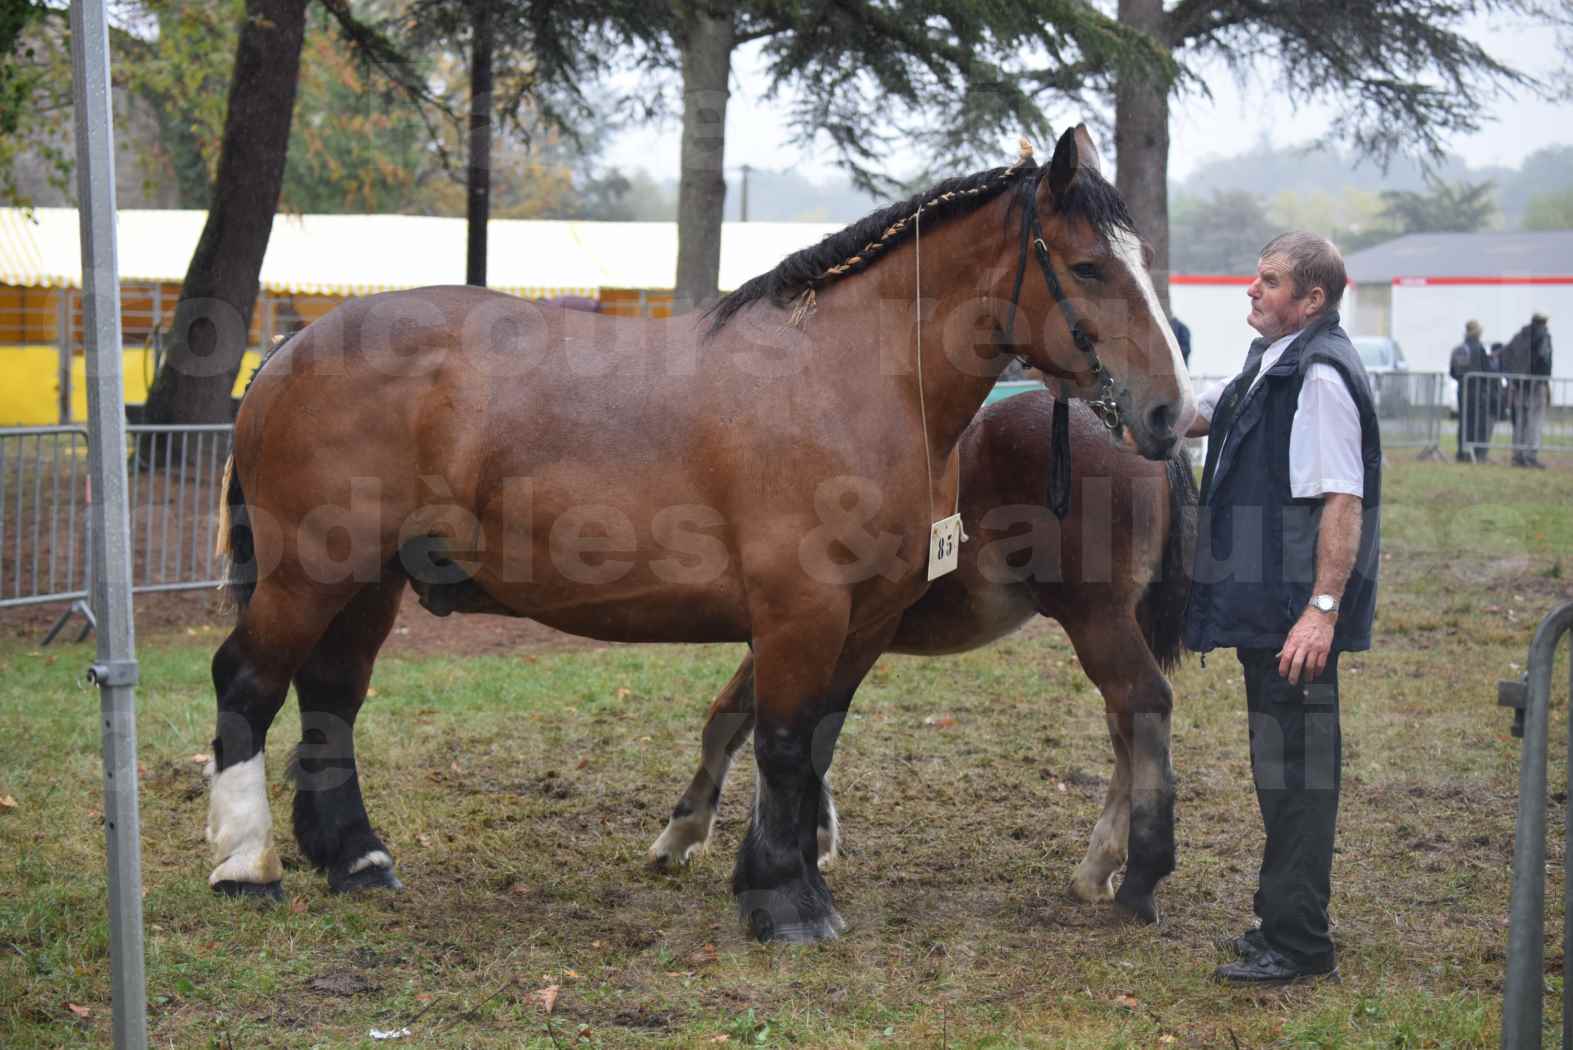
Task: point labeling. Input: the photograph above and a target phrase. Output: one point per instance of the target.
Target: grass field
(519, 794)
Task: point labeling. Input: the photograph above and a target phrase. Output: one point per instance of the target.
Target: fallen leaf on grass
(424, 839)
(547, 996)
(201, 759)
(518, 889)
(80, 1011)
(298, 905)
(1166, 1040)
(623, 692)
(1130, 1002)
(940, 721)
(7, 802)
(707, 954)
(582, 763)
(722, 1038)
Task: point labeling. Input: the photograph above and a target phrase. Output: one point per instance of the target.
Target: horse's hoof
(268, 891)
(375, 877)
(768, 931)
(789, 917)
(1136, 906)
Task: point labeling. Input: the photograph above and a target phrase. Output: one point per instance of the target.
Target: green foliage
(35, 88)
(1220, 234)
(947, 76)
(1550, 211)
(1448, 208)
(1406, 75)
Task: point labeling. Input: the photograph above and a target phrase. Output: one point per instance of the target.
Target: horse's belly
(954, 619)
(641, 608)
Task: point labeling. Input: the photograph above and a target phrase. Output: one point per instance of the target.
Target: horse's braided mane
(863, 243)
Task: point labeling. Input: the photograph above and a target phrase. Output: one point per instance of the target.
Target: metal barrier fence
(1533, 413)
(174, 476)
(1410, 407)
(1522, 992)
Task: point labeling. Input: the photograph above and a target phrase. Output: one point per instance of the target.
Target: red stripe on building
(1413, 282)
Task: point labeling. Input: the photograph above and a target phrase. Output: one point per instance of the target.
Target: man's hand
(1305, 650)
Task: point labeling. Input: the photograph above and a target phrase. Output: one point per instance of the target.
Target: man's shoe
(1246, 944)
(1268, 967)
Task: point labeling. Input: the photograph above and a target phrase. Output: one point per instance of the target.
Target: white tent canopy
(359, 254)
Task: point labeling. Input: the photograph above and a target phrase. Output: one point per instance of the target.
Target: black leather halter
(1107, 402)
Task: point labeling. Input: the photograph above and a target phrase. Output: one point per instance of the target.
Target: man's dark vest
(1256, 544)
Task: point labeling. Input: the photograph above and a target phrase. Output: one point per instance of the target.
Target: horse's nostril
(1160, 420)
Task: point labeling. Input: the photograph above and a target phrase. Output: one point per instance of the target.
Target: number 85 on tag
(944, 546)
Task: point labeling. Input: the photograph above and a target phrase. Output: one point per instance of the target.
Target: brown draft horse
(1113, 574)
(692, 479)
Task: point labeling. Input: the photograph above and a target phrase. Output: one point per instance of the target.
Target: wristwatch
(1324, 603)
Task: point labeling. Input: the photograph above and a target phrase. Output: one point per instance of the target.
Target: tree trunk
(480, 173)
(1141, 144)
(213, 316)
(708, 39)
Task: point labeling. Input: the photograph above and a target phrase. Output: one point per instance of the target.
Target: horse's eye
(1087, 272)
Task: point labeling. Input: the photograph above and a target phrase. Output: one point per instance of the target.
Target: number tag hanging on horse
(944, 546)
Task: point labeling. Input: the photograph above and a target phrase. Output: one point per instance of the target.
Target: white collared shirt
(1324, 441)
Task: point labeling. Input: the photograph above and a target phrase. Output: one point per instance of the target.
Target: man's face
(1275, 312)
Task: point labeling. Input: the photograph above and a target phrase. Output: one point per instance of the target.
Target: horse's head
(1097, 327)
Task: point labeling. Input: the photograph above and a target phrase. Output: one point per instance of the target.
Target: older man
(1285, 574)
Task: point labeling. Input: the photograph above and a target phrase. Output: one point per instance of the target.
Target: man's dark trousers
(1296, 760)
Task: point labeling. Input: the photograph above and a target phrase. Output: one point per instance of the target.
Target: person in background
(1474, 427)
(1529, 354)
(1182, 335)
(1285, 572)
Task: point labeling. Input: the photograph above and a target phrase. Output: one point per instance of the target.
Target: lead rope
(928, 463)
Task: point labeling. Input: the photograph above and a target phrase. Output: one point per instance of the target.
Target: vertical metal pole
(479, 208)
(1522, 1012)
(63, 344)
(116, 669)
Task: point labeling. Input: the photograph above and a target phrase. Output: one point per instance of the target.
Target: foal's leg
(1093, 881)
(800, 709)
(251, 674)
(728, 725)
(1139, 701)
(331, 825)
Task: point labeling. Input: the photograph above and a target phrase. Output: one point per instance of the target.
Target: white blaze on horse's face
(1127, 248)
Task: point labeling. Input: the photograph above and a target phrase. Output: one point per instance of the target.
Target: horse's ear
(1062, 169)
(1086, 150)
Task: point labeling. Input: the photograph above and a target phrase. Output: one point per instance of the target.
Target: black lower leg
(1150, 848)
(780, 892)
(330, 818)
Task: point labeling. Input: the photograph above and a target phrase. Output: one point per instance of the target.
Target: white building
(1421, 289)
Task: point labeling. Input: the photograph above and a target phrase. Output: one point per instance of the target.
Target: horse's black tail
(235, 546)
(1161, 612)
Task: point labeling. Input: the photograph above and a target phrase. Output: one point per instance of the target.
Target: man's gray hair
(1313, 263)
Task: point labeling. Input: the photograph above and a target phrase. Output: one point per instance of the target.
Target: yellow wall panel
(30, 383)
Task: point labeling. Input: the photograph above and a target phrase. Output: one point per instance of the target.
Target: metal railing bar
(54, 509)
(38, 501)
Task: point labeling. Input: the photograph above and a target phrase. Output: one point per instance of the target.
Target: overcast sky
(1231, 123)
